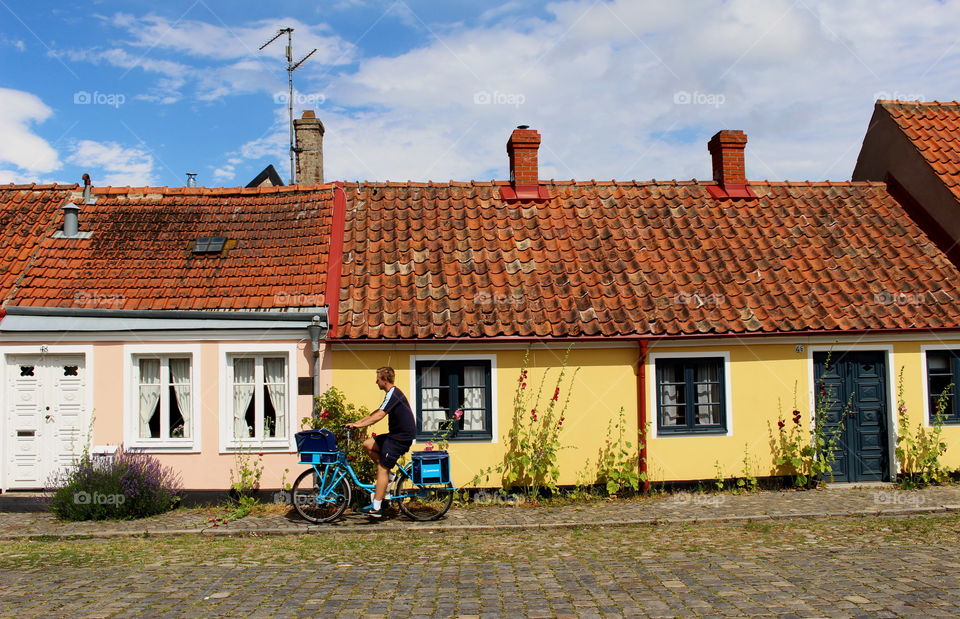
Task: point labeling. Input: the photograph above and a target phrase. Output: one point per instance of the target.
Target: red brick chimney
(522, 148)
(727, 147)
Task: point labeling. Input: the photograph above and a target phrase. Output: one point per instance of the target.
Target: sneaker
(371, 512)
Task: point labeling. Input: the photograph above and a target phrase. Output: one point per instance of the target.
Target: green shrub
(332, 412)
(129, 485)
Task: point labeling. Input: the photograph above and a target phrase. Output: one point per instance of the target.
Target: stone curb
(278, 531)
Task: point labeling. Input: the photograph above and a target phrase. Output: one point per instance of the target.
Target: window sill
(164, 448)
(460, 439)
(252, 446)
(685, 432)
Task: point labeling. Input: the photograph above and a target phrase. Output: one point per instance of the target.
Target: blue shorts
(391, 449)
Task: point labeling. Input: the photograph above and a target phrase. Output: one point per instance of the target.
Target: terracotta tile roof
(452, 260)
(934, 129)
(23, 223)
(140, 253)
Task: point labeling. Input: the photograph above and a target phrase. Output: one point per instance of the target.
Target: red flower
(523, 386)
(324, 414)
(373, 434)
(428, 446)
(556, 394)
(780, 424)
(796, 417)
(260, 454)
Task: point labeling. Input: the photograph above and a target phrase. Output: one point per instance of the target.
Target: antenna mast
(291, 67)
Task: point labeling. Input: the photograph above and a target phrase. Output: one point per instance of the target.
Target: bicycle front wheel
(423, 502)
(320, 497)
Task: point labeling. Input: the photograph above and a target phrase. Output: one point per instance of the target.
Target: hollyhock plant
(533, 439)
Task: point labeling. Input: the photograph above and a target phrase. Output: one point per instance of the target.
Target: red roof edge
(335, 258)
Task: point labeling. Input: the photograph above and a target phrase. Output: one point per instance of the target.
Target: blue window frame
(445, 386)
(943, 375)
(690, 396)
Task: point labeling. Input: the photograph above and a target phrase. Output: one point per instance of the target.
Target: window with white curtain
(690, 395)
(260, 399)
(164, 401)
(444, 387)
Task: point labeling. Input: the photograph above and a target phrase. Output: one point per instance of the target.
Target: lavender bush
(129, 485)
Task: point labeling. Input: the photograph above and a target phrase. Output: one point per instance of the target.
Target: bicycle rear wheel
(424, 502)
(320, 498)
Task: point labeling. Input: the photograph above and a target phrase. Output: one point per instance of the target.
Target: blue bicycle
(322, 492)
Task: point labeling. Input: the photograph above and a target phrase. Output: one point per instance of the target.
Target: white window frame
(924, 348)
(132, 353)
(229, 444)
(651, 373)
(494, 403)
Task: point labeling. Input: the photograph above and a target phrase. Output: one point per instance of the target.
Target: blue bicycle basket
(317, 446)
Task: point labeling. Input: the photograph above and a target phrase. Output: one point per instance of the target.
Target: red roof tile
(620, 259)
(934, 129)
(140, 253)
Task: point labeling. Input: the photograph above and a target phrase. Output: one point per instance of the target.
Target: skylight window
(209, 245)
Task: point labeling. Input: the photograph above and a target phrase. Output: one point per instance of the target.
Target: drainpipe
(642, 408)
(316, 332)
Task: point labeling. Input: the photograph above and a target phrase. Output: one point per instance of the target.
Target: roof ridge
(37, 186)
(206, 191)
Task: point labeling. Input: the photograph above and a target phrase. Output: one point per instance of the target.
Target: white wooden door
(46, 395)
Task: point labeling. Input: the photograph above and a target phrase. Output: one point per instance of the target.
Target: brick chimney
(726, 148)
(522, 147)
(308, 132)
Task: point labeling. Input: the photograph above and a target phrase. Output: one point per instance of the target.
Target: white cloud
(28, 153)
(601, 82)
(110, 163)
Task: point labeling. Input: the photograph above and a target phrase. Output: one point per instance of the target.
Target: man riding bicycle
(385, 449)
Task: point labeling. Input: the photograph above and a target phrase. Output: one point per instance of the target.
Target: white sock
(376, 504)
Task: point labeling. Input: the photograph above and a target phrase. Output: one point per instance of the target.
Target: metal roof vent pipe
(191, 179)
(71, 223)
(71, 220)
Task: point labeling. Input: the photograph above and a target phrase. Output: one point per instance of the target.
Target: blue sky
(143, 92)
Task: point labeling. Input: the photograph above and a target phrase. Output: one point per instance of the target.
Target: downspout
(642, 409)
(316, 332)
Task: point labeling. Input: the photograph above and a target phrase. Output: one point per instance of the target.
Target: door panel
(853, 387)
(45, 413)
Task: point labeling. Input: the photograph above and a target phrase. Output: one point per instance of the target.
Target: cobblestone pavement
(662, 508)
(824, 567)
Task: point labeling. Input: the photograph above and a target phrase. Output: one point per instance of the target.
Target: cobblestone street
(834, 567)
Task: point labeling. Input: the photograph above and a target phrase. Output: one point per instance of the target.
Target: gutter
(637, 338)
(29, 318)
(28, 310)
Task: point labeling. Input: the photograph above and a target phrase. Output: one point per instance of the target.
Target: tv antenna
(291, 67)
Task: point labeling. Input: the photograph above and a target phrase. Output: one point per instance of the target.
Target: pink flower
(458, 414)
(428, 446)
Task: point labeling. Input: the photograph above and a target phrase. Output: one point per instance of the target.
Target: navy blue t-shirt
(401, 423)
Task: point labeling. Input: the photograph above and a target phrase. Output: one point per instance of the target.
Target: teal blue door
(854, 387)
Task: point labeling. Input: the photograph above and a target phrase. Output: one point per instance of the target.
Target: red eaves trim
(637, 338)
(335, 258)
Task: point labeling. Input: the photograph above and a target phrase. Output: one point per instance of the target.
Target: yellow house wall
(605, 382)
(765, 381)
